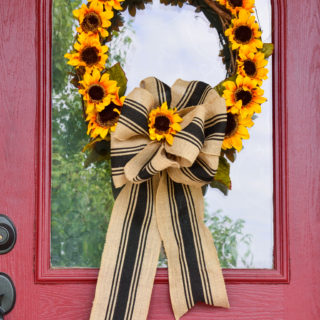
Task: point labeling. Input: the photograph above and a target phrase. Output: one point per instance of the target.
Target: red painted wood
(303, 78)
(297, 88)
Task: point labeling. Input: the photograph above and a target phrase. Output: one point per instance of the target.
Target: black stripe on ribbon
(147, 170)
(133, 256)
(195, 93)
(180, 135)
(161, 96)
(203, 269)
(198, 94)
(205, 94)
(134, 104)
(179, 241)
(189, 175)
(134, 118)
(216, 118)
(164, 92)
(193, 133)
(195, 128)
(132, 126)
(120, 161)
(121, 250)
(127, 150)
(167, 92)
(185, 97)
(216, 137)
(199, 171)
(216, 124)
(140, 254)
(118, 173)
(188, 241)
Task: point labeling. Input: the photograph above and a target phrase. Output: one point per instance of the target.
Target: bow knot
(193, 156)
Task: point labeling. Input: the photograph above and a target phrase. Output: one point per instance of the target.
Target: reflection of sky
(171, 43)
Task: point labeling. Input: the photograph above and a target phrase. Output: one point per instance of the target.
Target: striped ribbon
(161, 202)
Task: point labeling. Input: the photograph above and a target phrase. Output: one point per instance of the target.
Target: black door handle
(1, 313)
(8, 234)
(7, 295)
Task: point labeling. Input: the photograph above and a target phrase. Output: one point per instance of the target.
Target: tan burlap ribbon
(162, 201)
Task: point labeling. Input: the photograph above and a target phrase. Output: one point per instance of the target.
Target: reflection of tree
(81, 199)
(228, 237)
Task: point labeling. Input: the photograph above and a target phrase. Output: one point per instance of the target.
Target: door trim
(44, 273)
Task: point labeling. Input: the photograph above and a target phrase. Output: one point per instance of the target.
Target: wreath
(102, 89)
(161, 157)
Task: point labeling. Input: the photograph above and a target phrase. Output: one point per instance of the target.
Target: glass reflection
(169, 43)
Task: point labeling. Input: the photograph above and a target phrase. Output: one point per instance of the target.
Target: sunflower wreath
(160, 199)
(102, 89)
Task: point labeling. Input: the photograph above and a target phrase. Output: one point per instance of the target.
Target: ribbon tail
(130, 256)
(195, 274)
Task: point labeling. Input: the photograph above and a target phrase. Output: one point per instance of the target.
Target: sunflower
(243, 96)
(235, 5)
(98, 91)
(244, 32)
(108, 4)
(89, 53)
(252, 65)
(93, 20)
(164, 123)
(104, 121)
(236, 130)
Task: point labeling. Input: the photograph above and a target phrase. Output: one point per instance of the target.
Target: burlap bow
(162, 201)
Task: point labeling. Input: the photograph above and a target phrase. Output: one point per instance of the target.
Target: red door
(289, 291)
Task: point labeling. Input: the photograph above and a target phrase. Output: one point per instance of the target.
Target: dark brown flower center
(96, 92)
(91, 22)
(243, 34)
(107, 117)
(250, 68)
(244, 95)
(232, 125)
(235, 3)
(90, 55)
(162, 123)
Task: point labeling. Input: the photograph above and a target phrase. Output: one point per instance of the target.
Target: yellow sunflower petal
(95, 75)
(169, 138)
(229, 85)
(176, 126)
(237, 143)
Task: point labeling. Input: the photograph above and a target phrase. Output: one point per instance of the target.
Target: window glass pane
(169, 43)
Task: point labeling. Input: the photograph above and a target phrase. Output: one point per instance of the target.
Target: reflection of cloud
(171, 43)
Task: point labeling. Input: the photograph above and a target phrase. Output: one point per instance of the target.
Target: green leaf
(267, 49)
(220, 87)
(116, 73)
(220, 186)
(222, 179)
(204, 189)
(230, 154)
(94, 156)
